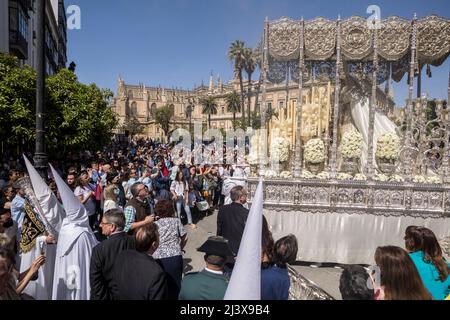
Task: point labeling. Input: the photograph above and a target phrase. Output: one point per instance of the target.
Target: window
(269, 105)
(223, 110)
(281, 104)
(134, 112)
(23, 24)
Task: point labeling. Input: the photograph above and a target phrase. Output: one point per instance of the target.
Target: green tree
(233, 105)
(163, 117)
(250, 67)
(133, 126)
(17, 101)
(209, 107)
(78, 116)
(236, 54)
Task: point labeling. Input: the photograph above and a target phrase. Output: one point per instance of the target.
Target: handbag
(202, 205)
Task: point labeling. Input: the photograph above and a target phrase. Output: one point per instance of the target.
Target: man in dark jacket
(232, 217)
(105, 253)
(136, 275)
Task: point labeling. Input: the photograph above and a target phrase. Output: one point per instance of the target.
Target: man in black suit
(232, 217)
(105, 253)
(136, 275)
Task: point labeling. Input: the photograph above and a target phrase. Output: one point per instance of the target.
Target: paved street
(326, 278)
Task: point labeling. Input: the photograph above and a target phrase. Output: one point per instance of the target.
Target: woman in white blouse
(180, 189)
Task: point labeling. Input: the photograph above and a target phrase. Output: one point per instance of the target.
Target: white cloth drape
(71, 280)
(346, 238)
(41, 289)
(382, 125)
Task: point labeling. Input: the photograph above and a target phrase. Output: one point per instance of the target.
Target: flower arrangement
(381, 177)
(396, 178)
(360, 177)
(315, 151)
(307, 175)
(279, 149)
(270, 174)
(387, 146)
(324, 175)
(253, 157)
(344, 176)
(434, 180)
(419, 179)
(285, 175)
(351, 146)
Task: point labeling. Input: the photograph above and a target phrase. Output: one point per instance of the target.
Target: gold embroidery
(32, 228)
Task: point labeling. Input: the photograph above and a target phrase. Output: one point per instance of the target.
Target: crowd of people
(129, 207)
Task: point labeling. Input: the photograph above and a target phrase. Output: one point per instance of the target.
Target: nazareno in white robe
(71, 276)
(53, 213)
(74, 249)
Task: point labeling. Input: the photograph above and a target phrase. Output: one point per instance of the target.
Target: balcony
(18, 45)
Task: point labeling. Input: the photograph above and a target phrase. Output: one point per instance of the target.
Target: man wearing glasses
(137, 212)
(105, 253)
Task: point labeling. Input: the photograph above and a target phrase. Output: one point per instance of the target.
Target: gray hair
(236, 193)
(116, 217)
(134, 189)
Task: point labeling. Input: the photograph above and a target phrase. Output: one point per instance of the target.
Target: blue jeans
(178, 204)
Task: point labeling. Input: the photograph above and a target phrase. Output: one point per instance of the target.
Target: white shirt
(109, 205)
(213, 271)
(90, 203)
(178, 187)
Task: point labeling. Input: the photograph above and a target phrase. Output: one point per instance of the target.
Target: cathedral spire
(211, 83)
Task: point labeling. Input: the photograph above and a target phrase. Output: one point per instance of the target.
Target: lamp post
(40, 157)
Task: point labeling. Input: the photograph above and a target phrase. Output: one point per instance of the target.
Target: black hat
(217, 246)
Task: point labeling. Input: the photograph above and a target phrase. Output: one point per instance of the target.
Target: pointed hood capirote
(52, 210)
(245, 282)
(76, 221)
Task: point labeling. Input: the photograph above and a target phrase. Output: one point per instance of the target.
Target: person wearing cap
(210, 283)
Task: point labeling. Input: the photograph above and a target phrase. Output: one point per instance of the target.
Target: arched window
(151, 111)
(134, 112)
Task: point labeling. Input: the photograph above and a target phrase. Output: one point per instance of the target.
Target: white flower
(360, 177)
(381, 177)
(315, 151)
(324, 175)
(344, 176)
(351, 146)
(434, 180)
(307, 175)
(388, 146)
(270, 174)
(279, 149)
(253, 155)
(285, 175)
(419, 179)
(396, 178)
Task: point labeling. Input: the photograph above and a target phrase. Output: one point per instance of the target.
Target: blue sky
(177, 43)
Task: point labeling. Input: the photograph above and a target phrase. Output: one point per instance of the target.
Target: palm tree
(236, 54)
(250, 67)
(209, 107)
(258, 57)
(233, 105)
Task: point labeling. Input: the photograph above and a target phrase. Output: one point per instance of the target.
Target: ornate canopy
(394, 40)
